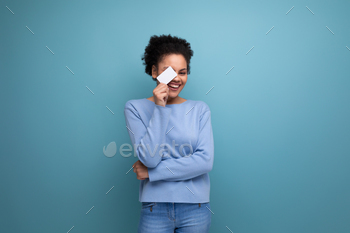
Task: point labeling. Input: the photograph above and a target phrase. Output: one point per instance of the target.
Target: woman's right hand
(160, 94)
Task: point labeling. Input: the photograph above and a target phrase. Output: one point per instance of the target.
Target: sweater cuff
(152, 175)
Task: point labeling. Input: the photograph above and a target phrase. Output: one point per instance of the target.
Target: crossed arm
(182, 168)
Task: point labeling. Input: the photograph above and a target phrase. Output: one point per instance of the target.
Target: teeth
(173, 86)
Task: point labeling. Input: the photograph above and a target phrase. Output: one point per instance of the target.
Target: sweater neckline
(167, 104)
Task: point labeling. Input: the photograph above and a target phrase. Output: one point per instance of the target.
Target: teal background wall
(280, 116)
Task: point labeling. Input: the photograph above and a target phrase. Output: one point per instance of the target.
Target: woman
(174, 183)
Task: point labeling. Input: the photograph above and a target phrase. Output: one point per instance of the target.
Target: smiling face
(179, 64)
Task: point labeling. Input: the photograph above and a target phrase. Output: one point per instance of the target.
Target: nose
(175, 80)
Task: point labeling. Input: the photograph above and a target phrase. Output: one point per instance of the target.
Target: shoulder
(133, 103)
(202, 107)
(136, 107)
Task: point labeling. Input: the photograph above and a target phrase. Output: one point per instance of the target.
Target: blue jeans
(169, 217)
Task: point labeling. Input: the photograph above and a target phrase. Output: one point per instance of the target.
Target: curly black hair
(160, 46)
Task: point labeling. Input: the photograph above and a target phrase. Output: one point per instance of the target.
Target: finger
(162, 87)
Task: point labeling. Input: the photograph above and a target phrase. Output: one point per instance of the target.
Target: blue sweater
(176, 144)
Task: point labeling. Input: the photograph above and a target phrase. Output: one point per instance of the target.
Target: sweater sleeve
(188, 167)
(147, 140)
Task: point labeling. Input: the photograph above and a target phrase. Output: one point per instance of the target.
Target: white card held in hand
(167, 75)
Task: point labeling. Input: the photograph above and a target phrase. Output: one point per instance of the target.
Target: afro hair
(160, 46)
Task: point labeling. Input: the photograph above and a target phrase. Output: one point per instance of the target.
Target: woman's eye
(182, 73)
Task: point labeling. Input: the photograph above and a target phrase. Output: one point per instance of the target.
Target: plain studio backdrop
(276, 78)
